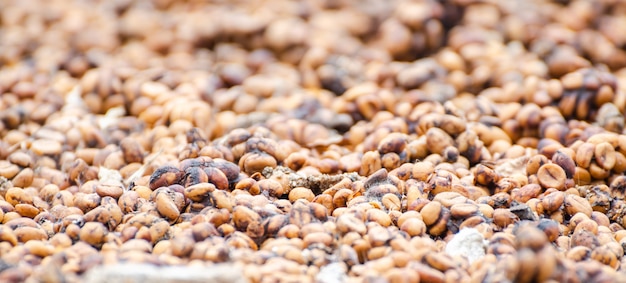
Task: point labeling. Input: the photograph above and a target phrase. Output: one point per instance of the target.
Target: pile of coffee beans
(314, 140)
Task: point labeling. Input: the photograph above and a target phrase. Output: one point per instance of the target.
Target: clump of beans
(314, 140)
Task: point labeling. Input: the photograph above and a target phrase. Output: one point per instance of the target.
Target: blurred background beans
(308, 141)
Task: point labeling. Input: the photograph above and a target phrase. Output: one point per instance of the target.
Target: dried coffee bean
(93, 233)
(348, 223)
(165, 176)
(585, 154)
(552, 176)
(131, 150)
(166, 206)
(26, 233)
(526, 193)
(437, 140)
(604, 154)
(574, 204)
(253, 162)
(564, 161)
(110, 190)
(194, 175)
(584, 238)
(504, 217)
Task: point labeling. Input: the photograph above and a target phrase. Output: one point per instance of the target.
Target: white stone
(468, 243)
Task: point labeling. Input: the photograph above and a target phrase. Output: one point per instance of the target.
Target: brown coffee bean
(448, 199)
(16, 195)
(86, 202)
(439, 261)
(253, 162)
(21, 159)
(391, 161)
(391, 202)
(370, 163)
(618, 187)
(604, 154)
(413, 227)
(194, 175)
(8, 170)
(317, 238)
(564, 161)
(8, 235)
(611, 138)
(578, 253)
(503, 217)
(587, 224)
(26, 210)
(143, 192)
(165, 176)
(553, 201)
(243, 216)
(535, 162)
(436, 217)
(620, 163)
(110, 190)
(46, 147)
(199, 192)
(576, 219)
(348, 223)
(166, 206)
(131, 150)
(597, 172)
(222, 199)
(39, 248)
(605, 255)
(301, 193)
(437, 140)
(600, 218)
(431, 212)
(585, 154)
(464, 210)
(599, 198)
(552, 176)
(485, 176)
(24, 178)
(26, 233)
(8, 216)
(581, 176)
(378, 216)
(528, 236)
(574, 204)
(584, 238)
(426, 273)
(394, 142)
(270, 187)
(525, 193)
(93, 233)
(422, 170)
